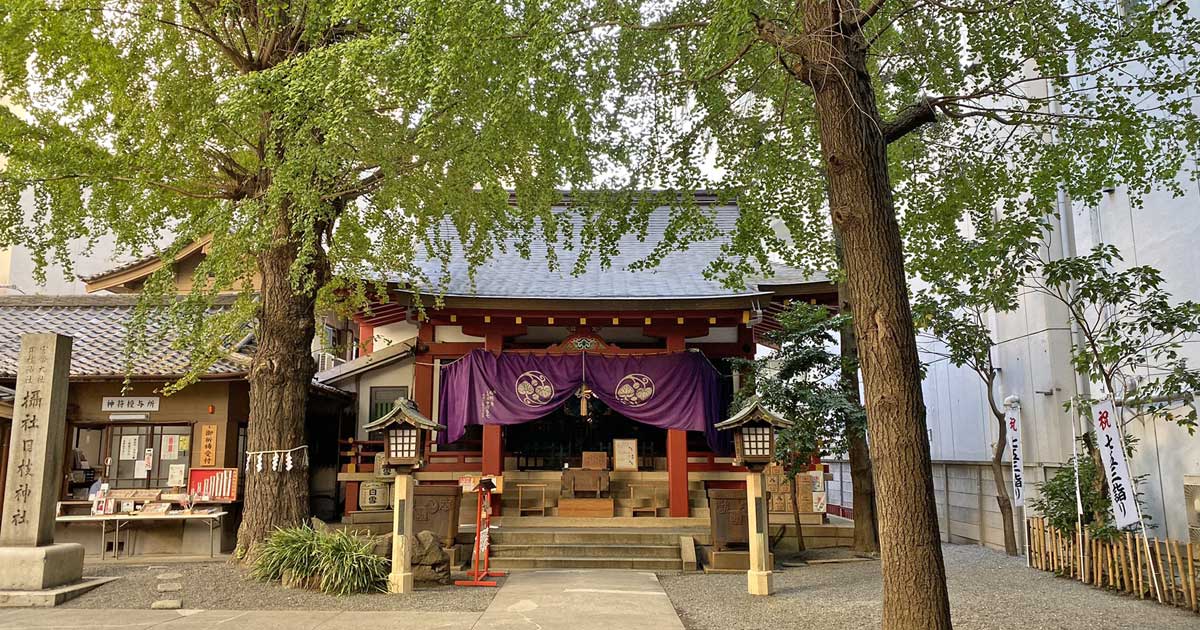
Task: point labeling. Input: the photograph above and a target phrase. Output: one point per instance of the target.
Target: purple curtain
(672, 391)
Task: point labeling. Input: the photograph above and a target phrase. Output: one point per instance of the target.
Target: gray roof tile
(98, 325)
(679, 275)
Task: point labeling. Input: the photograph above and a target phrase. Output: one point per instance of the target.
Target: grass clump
(338, 562)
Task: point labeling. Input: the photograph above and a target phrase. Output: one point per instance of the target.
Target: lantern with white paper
(754, 429)
(402, 431)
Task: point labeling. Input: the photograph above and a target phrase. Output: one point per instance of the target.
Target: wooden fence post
(1191, 569)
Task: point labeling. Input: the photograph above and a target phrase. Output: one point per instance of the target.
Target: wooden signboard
(595, 460)
(208, 445)
(625, 455)
(728, 517)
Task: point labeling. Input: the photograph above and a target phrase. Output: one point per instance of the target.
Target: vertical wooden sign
(208, 445)
(35, 445)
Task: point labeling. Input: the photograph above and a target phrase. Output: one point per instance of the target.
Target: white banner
(1013, 419)
(1116, 468)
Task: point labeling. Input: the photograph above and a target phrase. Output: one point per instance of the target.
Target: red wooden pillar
(493, 436)
(677, 473)
(366, 332)
(423, 374)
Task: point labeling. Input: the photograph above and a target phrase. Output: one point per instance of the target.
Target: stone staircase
(638, 548)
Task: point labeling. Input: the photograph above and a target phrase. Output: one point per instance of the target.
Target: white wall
(17, 266)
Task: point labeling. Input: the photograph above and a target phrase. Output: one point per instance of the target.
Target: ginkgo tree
(866, 115)
(320, 145)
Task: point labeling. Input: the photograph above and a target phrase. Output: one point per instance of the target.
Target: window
(383, 399)
(402, 443)
(127, 446)
(330, 339)
(756, 441)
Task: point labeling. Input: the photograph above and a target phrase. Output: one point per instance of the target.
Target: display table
(578, 480)
(213, 521)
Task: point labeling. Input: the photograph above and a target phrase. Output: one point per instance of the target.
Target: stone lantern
(403, 431)
(754, 429)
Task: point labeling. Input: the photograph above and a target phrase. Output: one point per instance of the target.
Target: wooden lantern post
(404, 430)
(754, 442)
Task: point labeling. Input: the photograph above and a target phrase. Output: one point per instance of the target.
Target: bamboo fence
(1127, 564)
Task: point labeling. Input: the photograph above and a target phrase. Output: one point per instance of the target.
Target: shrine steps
(636, 548)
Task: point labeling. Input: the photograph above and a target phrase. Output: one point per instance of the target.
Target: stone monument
(34, 570)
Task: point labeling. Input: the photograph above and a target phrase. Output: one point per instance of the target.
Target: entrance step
(634, 547)
(603, 537)
(585, 551)
(638, 564)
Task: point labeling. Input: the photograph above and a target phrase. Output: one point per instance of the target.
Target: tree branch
(909, 119)
(869, 12)
(127, 180)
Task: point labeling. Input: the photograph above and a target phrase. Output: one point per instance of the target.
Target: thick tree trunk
(280, 376)
(862, 477)
(862, 208)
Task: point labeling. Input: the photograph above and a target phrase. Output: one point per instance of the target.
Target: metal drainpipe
(1083, 385)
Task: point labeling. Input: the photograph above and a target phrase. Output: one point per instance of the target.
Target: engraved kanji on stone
(32, 399)
(23, 492)
(25, 468)
(19, 517)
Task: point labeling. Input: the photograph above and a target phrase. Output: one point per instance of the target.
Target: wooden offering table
(575, 480)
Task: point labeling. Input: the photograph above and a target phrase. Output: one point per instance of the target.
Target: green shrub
(342, 563)
(349, 565)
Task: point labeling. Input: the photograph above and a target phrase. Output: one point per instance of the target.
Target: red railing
(710, 463)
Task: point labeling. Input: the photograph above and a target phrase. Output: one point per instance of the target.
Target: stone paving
(549, 600)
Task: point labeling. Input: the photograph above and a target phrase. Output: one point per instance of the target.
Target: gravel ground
(987, 590)
(221, 585)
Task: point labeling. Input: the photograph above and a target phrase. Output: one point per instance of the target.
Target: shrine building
(592, 396)
(534, 371)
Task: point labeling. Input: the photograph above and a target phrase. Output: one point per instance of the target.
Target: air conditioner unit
(1191, 500)
(327, 361)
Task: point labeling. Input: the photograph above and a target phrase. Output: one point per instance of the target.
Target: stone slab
(728, 561)
(169, 587)
(687, 551)
(166, 604)
(52, 596)
(581, 600)
(188, 619)
(39, 568)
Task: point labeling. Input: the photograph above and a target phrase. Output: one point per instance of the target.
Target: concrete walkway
(544, 600)
(580, 599)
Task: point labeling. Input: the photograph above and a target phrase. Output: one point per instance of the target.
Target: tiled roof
(679, 275)
(6, 394)
(98, 325)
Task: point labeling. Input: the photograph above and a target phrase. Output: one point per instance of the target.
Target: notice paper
(129, 447)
